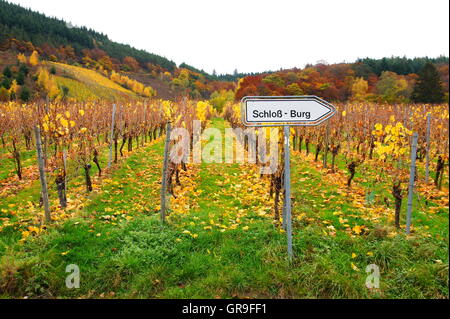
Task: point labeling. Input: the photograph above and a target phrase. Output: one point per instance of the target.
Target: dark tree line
(399, 65)
(26, 25)
(219, 77)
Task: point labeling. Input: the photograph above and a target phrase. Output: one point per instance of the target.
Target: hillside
(25, 31)
(163, 87)
(50, 33)
(57, 80)
(22, 31)
(85, 84)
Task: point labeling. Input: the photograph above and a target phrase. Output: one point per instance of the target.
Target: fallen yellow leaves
(357, 229)
(354, 267)
(31, 231)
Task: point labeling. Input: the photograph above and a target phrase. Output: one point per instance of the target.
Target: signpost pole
(283, 215)
(327, 138)
(287, 189)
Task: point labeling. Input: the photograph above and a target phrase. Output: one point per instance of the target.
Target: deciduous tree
(360, 88)
(34, 58)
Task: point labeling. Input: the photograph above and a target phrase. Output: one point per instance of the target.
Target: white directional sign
(285, 110)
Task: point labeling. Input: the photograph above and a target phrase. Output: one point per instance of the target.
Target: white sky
(259, 35)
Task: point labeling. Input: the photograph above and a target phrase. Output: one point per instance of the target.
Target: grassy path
(220, 240)
(237, 252)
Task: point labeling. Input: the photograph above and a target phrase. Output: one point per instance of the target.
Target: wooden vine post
(412, 173)
(165, 172)
(427, 165)
(43, 179)
(111, 136)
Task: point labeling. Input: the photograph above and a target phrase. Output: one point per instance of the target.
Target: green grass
(21, 206)
(411, 267)
(376, 193)
(124, 251)
(8, 165)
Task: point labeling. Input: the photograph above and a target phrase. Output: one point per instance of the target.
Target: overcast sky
(260, 35)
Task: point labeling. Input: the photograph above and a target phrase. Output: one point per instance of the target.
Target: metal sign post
(327, 142)
(287, 111)
(287, 189)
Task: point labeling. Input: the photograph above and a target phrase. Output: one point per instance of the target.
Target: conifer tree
(428, 88)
